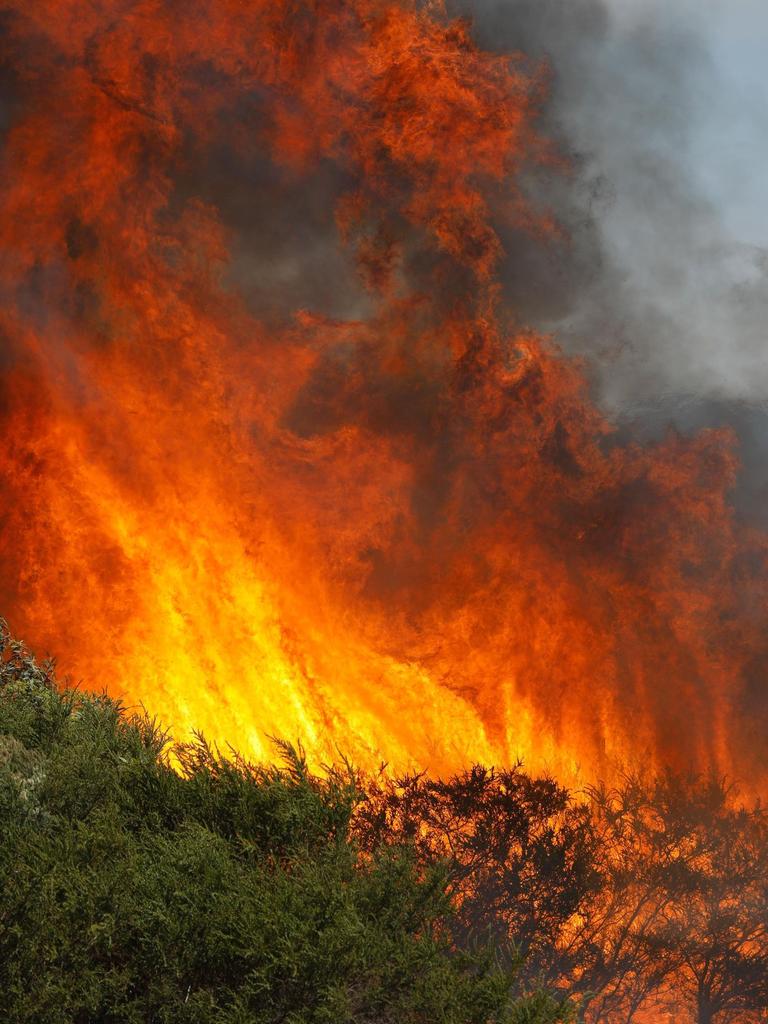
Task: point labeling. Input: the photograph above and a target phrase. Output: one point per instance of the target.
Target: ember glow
(404, 532)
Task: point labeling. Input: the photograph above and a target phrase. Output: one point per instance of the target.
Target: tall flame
(406, 532)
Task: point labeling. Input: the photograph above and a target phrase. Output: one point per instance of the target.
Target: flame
(405, 533)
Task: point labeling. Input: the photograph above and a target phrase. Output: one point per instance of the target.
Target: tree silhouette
(713, 932)
(521, 856)
(683, 920)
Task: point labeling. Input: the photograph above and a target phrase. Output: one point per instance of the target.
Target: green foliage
(144, 883)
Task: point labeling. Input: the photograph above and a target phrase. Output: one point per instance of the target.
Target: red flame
(409, 535)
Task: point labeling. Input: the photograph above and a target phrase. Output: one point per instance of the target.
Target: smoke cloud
(653, 286)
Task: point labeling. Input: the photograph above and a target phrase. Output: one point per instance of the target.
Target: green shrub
(143, 883)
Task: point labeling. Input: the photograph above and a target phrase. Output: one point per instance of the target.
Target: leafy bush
(141, 882)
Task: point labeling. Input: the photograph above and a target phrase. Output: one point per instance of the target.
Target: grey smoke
(661, 286)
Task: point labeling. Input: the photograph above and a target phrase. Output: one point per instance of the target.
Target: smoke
(653, 285)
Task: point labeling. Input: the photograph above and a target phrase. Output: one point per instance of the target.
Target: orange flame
(410, 535)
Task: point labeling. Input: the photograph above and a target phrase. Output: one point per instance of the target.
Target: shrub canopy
(143, 882)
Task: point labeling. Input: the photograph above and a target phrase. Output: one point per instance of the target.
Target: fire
(404, 533)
